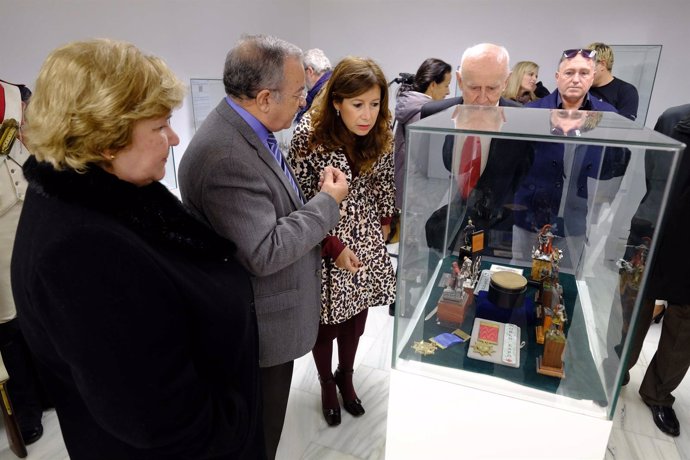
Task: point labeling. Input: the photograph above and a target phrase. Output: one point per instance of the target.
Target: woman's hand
(347, 260)
(386, 230)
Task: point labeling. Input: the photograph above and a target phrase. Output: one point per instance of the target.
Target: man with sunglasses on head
(554, 191)
(574, 79)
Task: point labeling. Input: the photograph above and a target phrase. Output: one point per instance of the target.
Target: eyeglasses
(302, 97)
(586, 53)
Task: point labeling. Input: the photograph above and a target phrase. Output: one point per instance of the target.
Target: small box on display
(451, 312)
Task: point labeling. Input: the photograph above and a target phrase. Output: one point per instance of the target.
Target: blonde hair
(512, 90)
(88, 96)
(604, 54)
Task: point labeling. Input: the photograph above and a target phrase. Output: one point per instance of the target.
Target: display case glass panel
(638, 64)
(551, 195)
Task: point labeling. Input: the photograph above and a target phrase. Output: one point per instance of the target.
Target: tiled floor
(306, 435)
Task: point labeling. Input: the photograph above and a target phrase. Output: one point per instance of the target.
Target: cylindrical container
(507, 289)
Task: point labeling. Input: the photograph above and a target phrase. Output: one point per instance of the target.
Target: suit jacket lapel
(262, 151)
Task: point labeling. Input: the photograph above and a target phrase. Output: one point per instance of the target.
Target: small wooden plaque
(551, 371)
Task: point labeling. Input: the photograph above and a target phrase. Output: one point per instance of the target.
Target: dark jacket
(490, 204)
(667, 279)
(540, 193)
(140, 317)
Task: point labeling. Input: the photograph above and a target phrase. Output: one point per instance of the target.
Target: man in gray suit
(234, 176)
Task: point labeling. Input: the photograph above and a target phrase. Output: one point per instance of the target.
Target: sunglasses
(558, 131)
(587, 54)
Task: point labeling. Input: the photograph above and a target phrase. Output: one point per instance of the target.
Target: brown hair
(352, 77)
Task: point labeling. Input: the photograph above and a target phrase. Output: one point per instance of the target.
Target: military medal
(424, 348)
(483, 348)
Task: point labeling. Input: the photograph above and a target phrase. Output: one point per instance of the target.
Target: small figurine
(545, 239)
(470, 241)
(467, 234)
(466, 269)
(454, 299)
(631, 271)
(545, 257)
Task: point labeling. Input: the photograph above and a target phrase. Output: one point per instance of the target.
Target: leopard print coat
(371, 197)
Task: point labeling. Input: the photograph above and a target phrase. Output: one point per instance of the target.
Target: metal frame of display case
(444, 395)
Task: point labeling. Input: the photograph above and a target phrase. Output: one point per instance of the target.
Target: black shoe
(626, 379)
(32, 434)
(353, 406)
(665, 419)
(332, 415)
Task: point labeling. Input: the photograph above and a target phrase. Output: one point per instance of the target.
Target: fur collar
(151, 211)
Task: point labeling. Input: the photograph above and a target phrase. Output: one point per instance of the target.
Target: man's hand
(333, 181)
(347, 260)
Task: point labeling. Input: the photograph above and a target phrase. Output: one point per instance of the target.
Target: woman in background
(522, 82)
(430, 83)
(349, 128)
(139, 314)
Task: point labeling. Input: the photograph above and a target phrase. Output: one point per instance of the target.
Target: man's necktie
(278, 155)
(470, 165)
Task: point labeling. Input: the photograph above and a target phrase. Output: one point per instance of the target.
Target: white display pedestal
(429, 418)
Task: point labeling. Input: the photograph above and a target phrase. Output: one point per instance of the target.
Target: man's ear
(458, 79)
(262, 100)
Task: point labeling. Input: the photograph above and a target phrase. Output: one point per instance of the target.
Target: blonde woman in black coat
(139, 314)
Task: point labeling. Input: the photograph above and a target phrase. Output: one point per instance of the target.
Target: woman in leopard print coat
(349, 128)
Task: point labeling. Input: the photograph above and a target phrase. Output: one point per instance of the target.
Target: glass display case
(519, 272)
(638, 64)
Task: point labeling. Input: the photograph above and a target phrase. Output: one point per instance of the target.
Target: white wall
(400, 34)
(193, 36)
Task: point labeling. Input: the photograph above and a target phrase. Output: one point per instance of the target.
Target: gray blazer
(233, 182)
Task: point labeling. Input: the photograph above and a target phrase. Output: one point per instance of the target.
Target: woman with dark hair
(430, 83)
(349, 127)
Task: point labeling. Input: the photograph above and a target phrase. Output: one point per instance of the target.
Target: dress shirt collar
(251, 120)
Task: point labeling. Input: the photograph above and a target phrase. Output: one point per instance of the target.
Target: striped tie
(278, 155)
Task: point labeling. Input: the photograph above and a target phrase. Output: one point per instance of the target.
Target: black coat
(490, 205)
(667, 279)
(141, 319)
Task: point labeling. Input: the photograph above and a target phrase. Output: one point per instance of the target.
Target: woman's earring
(337, 112)
(111, 157)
